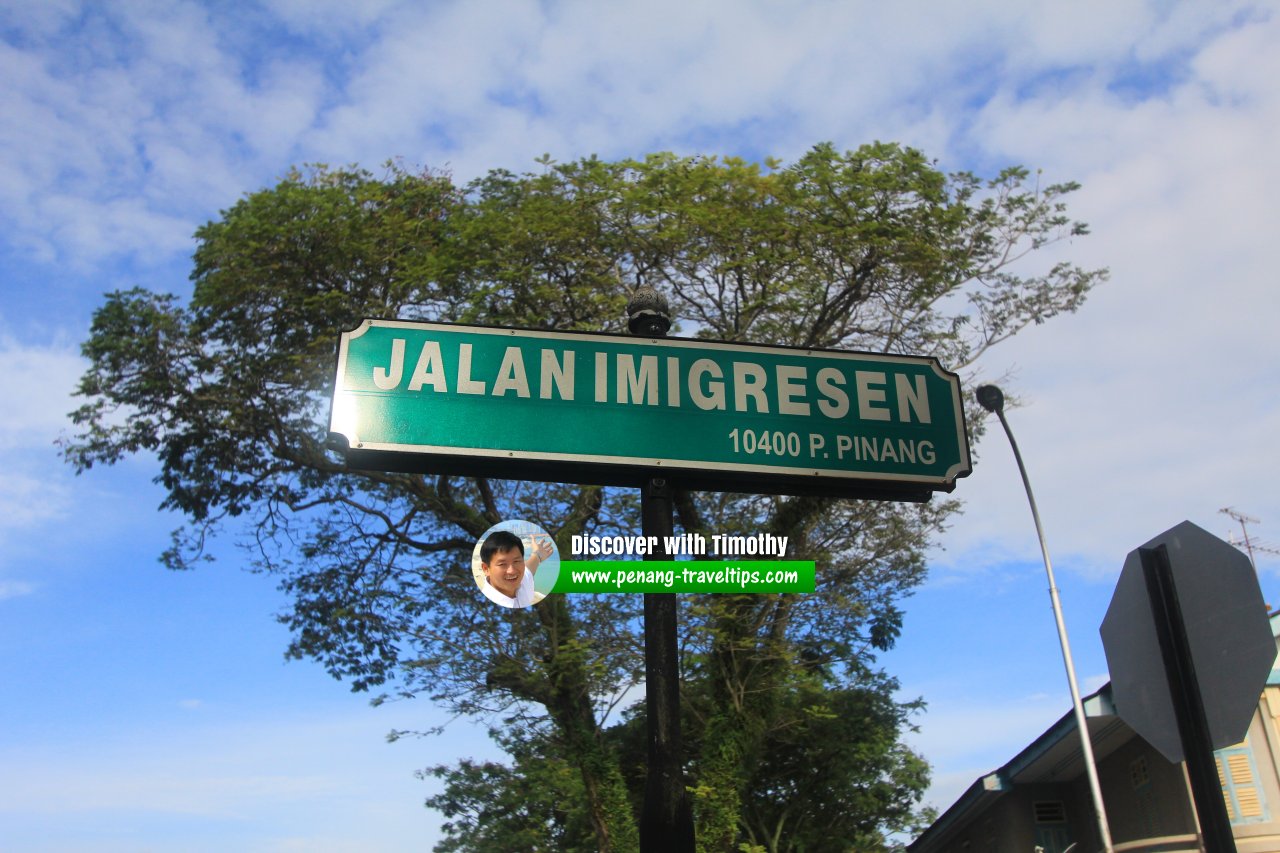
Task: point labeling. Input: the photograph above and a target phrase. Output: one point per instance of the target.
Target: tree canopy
(792, 726)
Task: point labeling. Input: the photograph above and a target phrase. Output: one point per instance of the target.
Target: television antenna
(1250, 545)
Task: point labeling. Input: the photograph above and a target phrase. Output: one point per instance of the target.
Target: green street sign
(616, 409)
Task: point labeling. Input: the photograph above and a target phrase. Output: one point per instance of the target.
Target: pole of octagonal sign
(1188, 701)
(991, 398)
(666, 818)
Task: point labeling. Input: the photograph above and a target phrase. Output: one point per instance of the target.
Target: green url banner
(765, 576)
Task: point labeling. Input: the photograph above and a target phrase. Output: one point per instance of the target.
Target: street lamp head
(991, 398)
(648, 313)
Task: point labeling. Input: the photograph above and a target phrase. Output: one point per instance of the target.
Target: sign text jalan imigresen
(746, 387)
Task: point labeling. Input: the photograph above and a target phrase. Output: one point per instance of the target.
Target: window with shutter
(1140, 778)
(1051, 831)
(1241, 787)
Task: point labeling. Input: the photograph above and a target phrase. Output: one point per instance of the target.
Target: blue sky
(151, 710)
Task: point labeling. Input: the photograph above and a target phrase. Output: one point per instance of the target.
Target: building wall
(1003, 828)
(1146, 797)
(1080, 827)
(1249, 772)
(1010, 825)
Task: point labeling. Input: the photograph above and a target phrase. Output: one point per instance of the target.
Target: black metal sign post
(1188, 704)
(666, 818)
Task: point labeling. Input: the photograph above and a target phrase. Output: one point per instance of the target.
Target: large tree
(873, 250)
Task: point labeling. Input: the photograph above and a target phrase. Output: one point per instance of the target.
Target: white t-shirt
(523, 597)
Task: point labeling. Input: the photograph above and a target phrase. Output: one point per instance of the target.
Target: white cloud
(1093, 683)
(329, 18)
(1156, 402)
(36, 385)
(220, 781)
(181, 108)
(37, 381)
(27, 499)
(15, 589)
(129, 126)
(970, 739)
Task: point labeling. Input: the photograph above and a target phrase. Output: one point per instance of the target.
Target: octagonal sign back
(1229, 634)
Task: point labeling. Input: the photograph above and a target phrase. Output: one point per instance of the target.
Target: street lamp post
(991, 398)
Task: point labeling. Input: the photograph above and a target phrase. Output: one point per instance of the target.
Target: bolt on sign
(613, 409)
